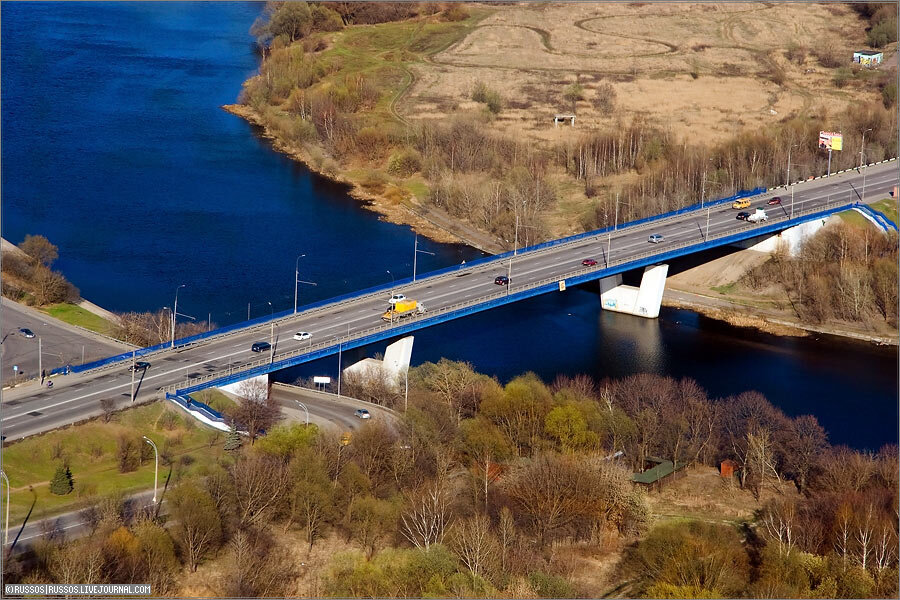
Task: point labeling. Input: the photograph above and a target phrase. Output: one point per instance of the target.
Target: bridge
(223, 356)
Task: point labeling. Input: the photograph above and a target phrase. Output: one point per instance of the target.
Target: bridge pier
(643, 301)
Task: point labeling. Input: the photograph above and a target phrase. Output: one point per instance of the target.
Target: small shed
(562, 119)
(728, 467)
(868, 58)
(656, 472)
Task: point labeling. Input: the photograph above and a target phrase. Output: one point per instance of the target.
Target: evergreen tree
(62, 482)
(233, 439)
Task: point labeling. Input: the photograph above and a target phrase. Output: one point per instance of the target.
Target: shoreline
(420, 219)
(733, 315)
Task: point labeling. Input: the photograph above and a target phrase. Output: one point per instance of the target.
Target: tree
(62, 483)
(233, 439)
(483, 443)
(158, 555)
(256, 411)
(40, 249)
(372, 520)
(473, 542)
(806, 441)
(573, 94)
(312, 494)
(256, 566)
(108, 405)
(427, 514)
(260, 485)
(569, 427)
(197, 529)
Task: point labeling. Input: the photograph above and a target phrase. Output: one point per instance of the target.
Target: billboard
(829, 140)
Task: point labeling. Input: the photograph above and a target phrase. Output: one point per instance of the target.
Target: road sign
(318, 379)
(15, 367)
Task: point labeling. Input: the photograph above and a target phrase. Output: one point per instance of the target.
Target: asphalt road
(326, 410)
(77, 396)
(61, 344)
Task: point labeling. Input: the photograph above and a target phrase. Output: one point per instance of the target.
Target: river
(115, 148)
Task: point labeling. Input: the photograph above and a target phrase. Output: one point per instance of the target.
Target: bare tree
(474, 543)
(864, 534)
(40, 249)
(197, 528)
(260, 485)
(780, 521)
(256, 410)
(427, 515)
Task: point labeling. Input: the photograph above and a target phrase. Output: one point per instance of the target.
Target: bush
(550, 586)
(405, 163)
(795, 53)
(883, 33)
(482, 93)
(829, 57)
(455, 12)
(841, 77)
(889, 94)
(605, 100)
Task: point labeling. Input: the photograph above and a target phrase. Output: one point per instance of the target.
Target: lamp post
(156, 466)
(132, 375)
(298, 281)
(393, 304)
(175, 312)
(862, 164)
(406, 389)
(303, 406)
(791, 147)
(40, 360)
(6, 528)
(416, 252)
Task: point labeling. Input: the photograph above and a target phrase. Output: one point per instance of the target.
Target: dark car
(589, 262)
(774, 201)
(501, 280)
(141, 365)
(261, 347)
(26, 332)
(743, 216)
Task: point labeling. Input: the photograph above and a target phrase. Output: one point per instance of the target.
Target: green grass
(725, 289)
(75, 315)
(90, 450)
(417, 187)
(890, 207)
(854, 218)
(215, 400)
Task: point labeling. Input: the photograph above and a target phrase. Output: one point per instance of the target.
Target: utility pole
(862, 147)
(272, 343)
(616, 221)
(829, 161)
(406, 389)
(132, 375)
(40, 357)
(339, 369)
(608, 249)
(792, 202)
(6, 529)
(82, 354)
(156, 467)
(248, 311)
(416, 254)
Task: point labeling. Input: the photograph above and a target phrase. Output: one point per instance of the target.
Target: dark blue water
(114, 147)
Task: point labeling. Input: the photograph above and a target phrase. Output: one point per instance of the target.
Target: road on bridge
(77, 396)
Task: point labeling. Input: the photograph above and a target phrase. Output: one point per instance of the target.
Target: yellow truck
(402, 309)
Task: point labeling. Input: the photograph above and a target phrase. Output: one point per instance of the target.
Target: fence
(454, 311)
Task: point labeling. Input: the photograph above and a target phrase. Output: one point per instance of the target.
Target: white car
(397, 298)
(362, 414)
(302, 335)
(655, 238)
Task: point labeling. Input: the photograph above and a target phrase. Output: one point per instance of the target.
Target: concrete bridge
(224, 356)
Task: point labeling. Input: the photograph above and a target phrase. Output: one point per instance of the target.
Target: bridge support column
(643, 301)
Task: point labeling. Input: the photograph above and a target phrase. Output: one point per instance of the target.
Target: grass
(90, 450)
(890, 207)
(75, 315)
(215, 400)
(854, 218)
(724, 289)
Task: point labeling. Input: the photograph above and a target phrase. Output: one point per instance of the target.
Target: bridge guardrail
(372, 334)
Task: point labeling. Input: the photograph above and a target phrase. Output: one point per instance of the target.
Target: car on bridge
(589, 262)
(774, 201)
(397, 298)
(141, 365)
(27, 332)
(742, 203)
(362, 413)
(302, 335)
(501, 280)
(742, 215)
(260, 347)
(655, 238)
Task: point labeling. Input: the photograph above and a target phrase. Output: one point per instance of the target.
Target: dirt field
(710, 63)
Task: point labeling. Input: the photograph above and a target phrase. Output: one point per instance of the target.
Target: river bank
(396, 205)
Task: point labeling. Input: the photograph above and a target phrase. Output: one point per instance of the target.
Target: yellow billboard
(829, 140)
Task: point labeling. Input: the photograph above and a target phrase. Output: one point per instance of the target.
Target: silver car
(655, 238)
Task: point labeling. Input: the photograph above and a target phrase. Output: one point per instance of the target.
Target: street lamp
(393, 305)
(791, 147)
(406, 389)
(156, 467)
(6, 529)
(416, 252)
(303, 406)
(175, 312)
(298, 281)
(864, 167)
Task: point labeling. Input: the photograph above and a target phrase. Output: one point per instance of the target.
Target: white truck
(758, 216)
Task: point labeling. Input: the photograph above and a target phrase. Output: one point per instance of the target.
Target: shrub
(371, 141)
(889, 94)
(795, 53)
(605, 100)
(841, 77)
(455, 12)
(550, 586)
(482, 93)
(405, 163)
(883, 33)
(829, 57)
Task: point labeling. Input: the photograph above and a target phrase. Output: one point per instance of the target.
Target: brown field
(701, 70)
